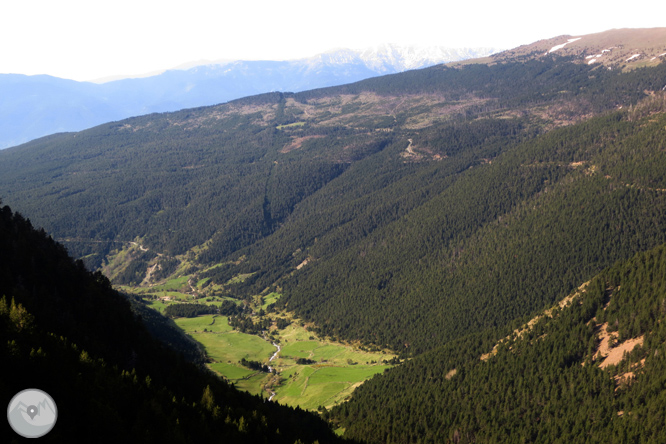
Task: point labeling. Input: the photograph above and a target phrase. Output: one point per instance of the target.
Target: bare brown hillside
(616, 48)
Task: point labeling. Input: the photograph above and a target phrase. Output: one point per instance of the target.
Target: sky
(87, 40)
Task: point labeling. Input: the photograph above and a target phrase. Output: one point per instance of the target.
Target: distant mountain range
(499, 224)
(35, 106)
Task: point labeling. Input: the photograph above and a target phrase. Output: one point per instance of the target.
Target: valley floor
(307, 371)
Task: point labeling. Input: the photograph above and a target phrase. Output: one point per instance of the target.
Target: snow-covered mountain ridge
(391, 58)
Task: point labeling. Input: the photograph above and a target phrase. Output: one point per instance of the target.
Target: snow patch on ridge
(556, 47)
(595, 57)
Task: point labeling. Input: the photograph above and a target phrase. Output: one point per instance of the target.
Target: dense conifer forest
(433, 213)
(540, 384)
(570, 203)
(437, 226)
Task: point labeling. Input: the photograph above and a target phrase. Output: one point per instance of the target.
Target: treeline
(544, 386)
(282, 323)
(247, 324)
(515, 83)
(254, 365)
(230, 308)
(189, 310)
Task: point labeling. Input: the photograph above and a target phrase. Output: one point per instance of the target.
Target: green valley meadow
(467, 253)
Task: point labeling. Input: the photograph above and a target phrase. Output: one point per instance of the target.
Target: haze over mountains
(35, 106)
(498, 223)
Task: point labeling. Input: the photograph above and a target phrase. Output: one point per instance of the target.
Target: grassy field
(159, 304)
(159, 296)
(172, 285)
(312, 386)
(269, 299)
(156, 305)
(227, 347)
(212, 323)
(290, 125)
(337, 369)
(231, 347)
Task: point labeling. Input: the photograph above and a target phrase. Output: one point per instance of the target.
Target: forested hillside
(431, 213)
(403, 211)
(501, 241)
(556, 379)
(66, 331)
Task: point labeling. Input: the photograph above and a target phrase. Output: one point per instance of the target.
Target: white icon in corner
(32, 413)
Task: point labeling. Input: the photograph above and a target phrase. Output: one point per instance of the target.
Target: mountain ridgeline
(430, 212)
(35, 106)
(443, 198)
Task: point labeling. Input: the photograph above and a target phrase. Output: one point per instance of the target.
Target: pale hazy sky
(89, 39)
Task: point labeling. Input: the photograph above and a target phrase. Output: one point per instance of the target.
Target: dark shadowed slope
(65, 331)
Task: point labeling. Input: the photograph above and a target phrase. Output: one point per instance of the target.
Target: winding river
(270, 369)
